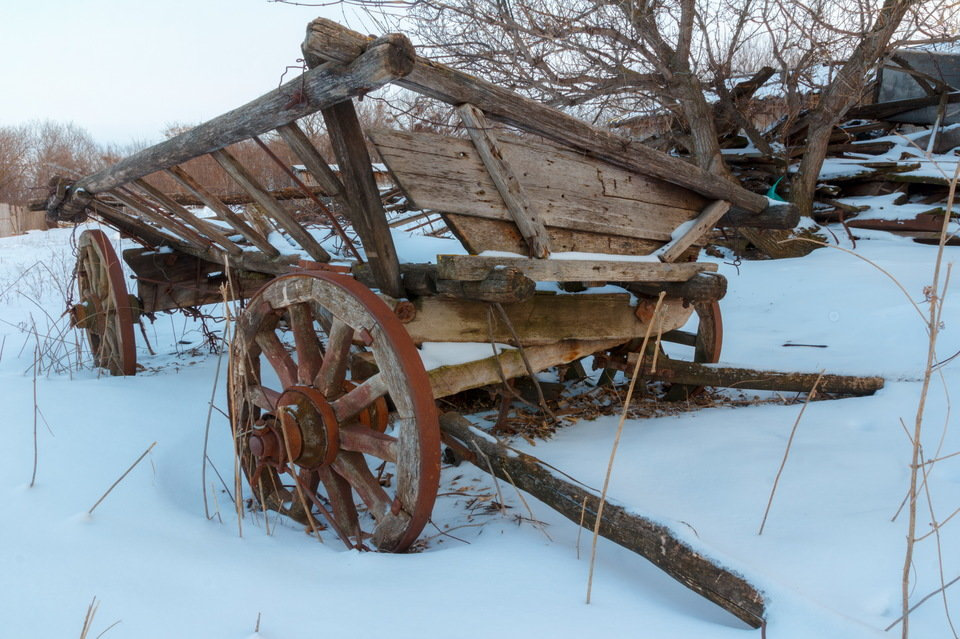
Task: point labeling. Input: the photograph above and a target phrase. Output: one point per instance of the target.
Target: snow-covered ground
(829, 559)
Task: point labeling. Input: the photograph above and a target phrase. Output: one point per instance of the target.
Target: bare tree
(608, 60)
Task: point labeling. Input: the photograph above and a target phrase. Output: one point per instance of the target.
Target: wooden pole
(693, 374)
(656, 542)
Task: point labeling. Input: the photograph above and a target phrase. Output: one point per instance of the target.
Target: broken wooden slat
(220, 208)
(248, 183)
(654, 541)
(503, 176)
(476, 267)
(329, 41)
(541, 319)
(672, 250)
(883, 110)
(134, 227)
(304, 149)
(199, 224)
(360, 188)
(171, 224)
(385, 60)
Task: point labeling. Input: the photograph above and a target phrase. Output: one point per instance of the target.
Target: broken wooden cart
(326, 384)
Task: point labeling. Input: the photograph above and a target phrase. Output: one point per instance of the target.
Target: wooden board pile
(876, 177)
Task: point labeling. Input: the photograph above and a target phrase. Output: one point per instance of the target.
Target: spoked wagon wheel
(104, 310)
(702, 346)
(312, 440)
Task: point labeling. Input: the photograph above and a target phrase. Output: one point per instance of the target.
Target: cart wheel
(105, 310)
(703, 346)
(310, 439)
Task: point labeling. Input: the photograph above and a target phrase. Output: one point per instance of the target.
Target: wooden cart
(328, 393)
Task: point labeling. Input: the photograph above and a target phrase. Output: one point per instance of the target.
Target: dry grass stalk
(120, 478)
(539, 524)
(934, 299)
(206, 428)
(786, 452)
(234, 428)
(496, 484)
(583, 513)
(88, 619)
(616, 440)
(33, 477)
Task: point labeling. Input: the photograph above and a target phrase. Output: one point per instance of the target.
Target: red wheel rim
(108, 318)
(330, 316)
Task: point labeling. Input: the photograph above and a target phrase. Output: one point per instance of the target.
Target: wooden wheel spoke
(341, 502)
(360, 439)
(332, 372)
(276, 353)
(352, 467)
(353, 403)
(263, 398)
(309, 352)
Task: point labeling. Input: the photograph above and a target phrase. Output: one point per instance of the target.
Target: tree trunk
(842, 93)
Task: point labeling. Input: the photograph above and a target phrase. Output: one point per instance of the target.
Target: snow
(828, 561)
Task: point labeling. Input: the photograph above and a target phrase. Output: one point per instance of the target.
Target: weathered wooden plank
(704, 287)
(385, 60)
(476, 267)
(420, 280)
(327, 40)
(455, 378)
(655, 541)
(239, 174)
(672, 250)
(199, 224)
(168, 280)
(570, 191)
(239, 197)
(521, 209)
(361, 191)
(220, 208)
(478, 235)
(541, 319)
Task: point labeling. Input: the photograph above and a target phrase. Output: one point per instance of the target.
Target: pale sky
(124, 70)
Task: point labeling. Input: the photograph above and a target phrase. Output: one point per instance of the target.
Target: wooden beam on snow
(655, 541)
